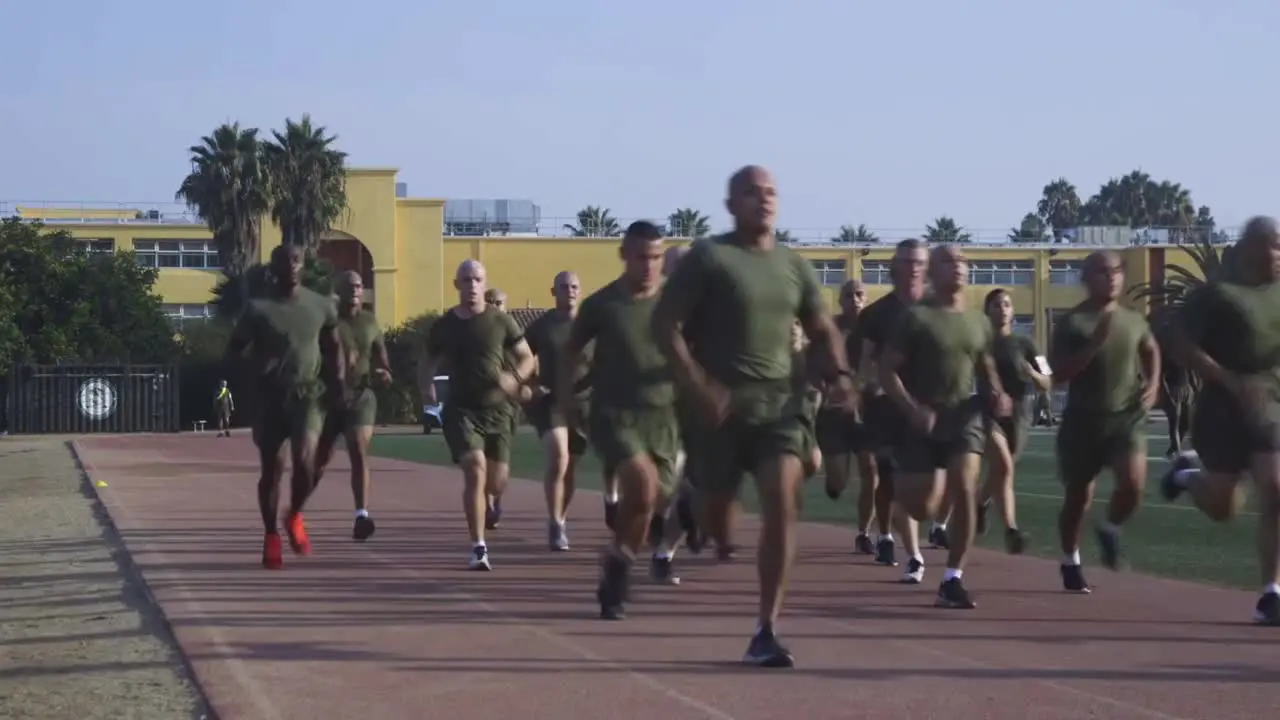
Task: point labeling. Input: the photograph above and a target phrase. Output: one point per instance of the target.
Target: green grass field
(1163, 539)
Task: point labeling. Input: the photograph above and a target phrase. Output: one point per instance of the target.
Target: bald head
(470, 281)
(1257, 255)
(566, 289)
(671, 258)
(853, 297)
(1103, 275)
(496, 298)
(350, 289)
(948, 270)
(286, 265)
(753, 200)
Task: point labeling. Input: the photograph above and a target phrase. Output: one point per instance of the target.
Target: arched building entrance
(345, 252)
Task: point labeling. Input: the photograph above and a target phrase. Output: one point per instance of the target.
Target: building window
(876, 272)
(188, 312)
(1024, 325)
(1001, 272)
(191, 254)
(830, 272)
(97, 245)
(1065, 272)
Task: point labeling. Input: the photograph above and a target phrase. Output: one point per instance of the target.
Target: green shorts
(544, 415)
(467, 430)
(1088, 442)
(285, 416)
(1014, 427)
(619, 435)
(361, 410)
(958, 430)
(766, 423)
(1225, 435)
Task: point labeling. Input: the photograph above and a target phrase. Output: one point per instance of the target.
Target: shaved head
(470, 282)
(350, 290)
(1103, 275)
(566, 288)
(752, 200)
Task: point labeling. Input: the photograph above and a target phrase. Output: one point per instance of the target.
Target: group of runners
(699, 367)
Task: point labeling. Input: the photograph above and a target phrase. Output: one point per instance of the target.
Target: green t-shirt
(740, 303)
(1013, 354)
(288, 330)
(474, 350)
(547, 337)
(1111, 382)
(941, 349)
(627, 368)
(1238, 326)
(359, 333)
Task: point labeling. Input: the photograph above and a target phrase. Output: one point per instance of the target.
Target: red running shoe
(298, 539)
(272, 552)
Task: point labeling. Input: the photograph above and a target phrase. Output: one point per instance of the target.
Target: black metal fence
(55, 399)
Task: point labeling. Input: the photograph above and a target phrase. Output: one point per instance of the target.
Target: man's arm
(1069, 355)
(1149, 359)
(333, 363)
(1188, 333)
(890, 361)
(818, 324)
(583, 330)
(680, 294)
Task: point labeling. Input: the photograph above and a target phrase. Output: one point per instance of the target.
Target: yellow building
(399, 247)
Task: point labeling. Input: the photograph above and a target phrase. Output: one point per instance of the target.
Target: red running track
(398, 628)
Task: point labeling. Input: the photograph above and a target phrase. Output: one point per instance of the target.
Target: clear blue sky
(881, 113)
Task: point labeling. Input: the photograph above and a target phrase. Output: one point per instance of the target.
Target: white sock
(886, 536)
(664, 553)
(1071, 558)
(939, 526)
(1272, 589)
(611, 497)
(952, 574)
(1109, 528)
(478, 544)
(918, 558)
(362, 513)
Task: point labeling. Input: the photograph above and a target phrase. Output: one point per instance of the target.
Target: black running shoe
(613, 589)
(981, 521)
(1073, 580)
(914, 574)
(1170, 488)
(862, 545)
(1109, 544)
(951, 594)
(479, 559)
(885, 552)
(1015, 541)
(363, 529)
(938, 538)
(726, 553)
(610, 514)
(1267, 611)
(657, 528)
(557, 539)
(766, 651)
(662, 570)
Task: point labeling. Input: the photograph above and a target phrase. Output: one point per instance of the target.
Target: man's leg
(919, 495)
(638, 479)
(358, 439)
(466, 447)
(1080, 460)
(1126, 448)
(497, 451)
(962, 482)
(270, 439)
(329, 434)
(555, 445)
(302, 446)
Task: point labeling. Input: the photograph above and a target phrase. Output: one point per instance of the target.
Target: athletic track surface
(398, 628)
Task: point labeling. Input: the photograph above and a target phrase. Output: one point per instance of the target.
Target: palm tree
(228, 188)
(595, 221)
(687, 222)
(945, 230)
(308, 182)
(850, 235)
(1211, 263)
(783, 237)
(1031, 229)
(1059, 206)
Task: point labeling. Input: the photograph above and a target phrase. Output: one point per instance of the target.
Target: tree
(1031, 229)
(308, 182)
(860, 234)
(689, 223)
(595, 221)
(945, 230)
(60, 304)
(783, 237)
(1059, 207)
(1137, 201)
(228, 189)
(1210, 262)
(399, 403)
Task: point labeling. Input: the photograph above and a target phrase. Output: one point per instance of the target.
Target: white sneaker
(914, 573)
(479, 559)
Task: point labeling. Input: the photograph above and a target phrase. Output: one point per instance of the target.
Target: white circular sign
(97, 399)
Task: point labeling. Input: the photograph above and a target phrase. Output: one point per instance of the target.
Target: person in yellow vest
(223, 406)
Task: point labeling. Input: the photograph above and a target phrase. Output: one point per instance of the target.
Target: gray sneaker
(557, 540)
